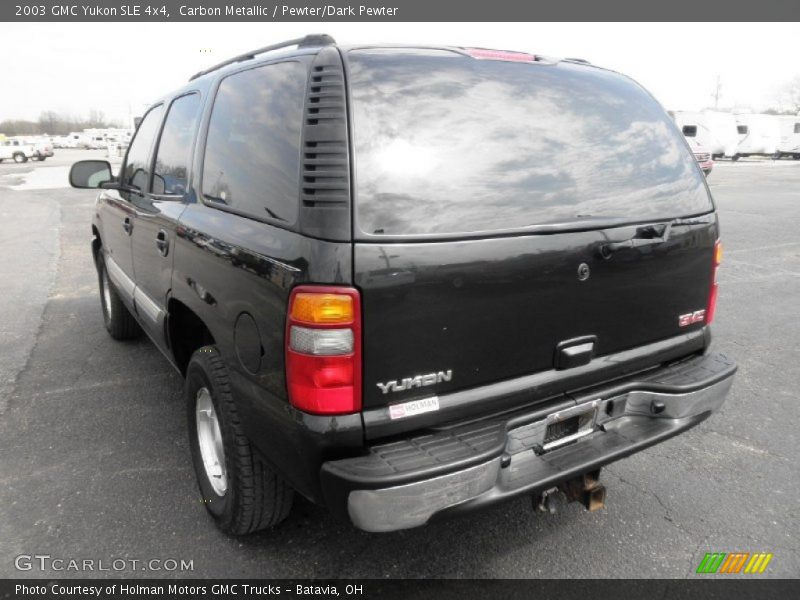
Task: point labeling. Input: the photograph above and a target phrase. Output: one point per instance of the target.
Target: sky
(119, 68)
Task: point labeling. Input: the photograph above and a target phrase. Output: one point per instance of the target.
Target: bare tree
(49, 121)
(54, 123)
(789, 96)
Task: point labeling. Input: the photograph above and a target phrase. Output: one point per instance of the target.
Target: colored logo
(734, 562)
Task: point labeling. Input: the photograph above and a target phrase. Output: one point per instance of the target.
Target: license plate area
(568, 426)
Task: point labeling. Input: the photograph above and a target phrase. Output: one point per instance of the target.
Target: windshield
(448, 144)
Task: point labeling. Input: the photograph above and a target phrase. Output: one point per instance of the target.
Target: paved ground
(94, 461)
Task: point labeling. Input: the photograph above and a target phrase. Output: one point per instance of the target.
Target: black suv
(407, 282)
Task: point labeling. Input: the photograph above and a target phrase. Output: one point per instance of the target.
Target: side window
(175, 146)
(136, 173)
(252, 156)
(690, 130)
(797, 127)
(742, 129)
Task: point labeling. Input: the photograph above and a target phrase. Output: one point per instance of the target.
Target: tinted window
(449, 144)
(690, 130)
(175, 146)
(252, 159)
(797, 127)
(137, 167)
(741, 129)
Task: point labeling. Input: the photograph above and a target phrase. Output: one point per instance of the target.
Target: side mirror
(90, 174)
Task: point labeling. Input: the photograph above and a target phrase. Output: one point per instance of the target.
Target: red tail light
(712, 296)
(323, 350)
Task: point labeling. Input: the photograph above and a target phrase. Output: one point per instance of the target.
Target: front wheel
(19, 157)
(242, 493)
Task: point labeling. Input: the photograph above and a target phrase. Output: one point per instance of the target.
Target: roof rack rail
(316, 39)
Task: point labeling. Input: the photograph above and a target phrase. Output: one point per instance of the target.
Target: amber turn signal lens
(323, 309)
(718, 253)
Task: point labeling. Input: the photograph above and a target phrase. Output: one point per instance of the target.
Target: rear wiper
(648, 235)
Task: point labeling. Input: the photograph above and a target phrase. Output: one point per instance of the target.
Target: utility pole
(717, 92)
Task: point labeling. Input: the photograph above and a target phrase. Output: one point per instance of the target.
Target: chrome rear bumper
(621, 425)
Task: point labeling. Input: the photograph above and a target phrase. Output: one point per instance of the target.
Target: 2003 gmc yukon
(408, 282)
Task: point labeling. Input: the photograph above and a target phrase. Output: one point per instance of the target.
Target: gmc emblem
(697, 316)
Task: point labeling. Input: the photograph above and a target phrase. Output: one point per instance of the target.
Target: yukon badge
(416, 381)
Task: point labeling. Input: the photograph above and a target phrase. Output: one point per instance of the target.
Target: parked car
(702, 156)
(424, 288)
(42, 150)
(16, 150)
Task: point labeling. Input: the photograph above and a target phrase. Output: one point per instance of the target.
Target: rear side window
(175, 146)
(797, 127)
(252, 157)
(742, 129)
(137, 166)
(690, 130)
(448, 144)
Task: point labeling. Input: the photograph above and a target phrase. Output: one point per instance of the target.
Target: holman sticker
(415, 407)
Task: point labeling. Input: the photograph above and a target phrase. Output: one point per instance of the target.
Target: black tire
(19, 157)
(796, 156)
(735, 157)
(118, 320)
(255, 497)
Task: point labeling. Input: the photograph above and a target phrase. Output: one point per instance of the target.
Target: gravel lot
(94, 461)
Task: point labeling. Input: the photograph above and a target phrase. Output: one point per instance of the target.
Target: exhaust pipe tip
(594, 498)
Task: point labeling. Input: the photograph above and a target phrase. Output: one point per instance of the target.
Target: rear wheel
(796, 156)
(735, 157)
(118, 320)
(242, 493)
(19, 157)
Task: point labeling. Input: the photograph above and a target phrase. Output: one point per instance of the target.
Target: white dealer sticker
(415, 407)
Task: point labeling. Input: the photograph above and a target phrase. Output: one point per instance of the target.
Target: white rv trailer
(758, 134)
(789, 144)
(715, 131)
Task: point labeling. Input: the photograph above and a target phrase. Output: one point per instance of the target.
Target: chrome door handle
(162, 243)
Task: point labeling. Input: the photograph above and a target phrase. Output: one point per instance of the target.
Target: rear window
(446, 144)
(690, 130)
